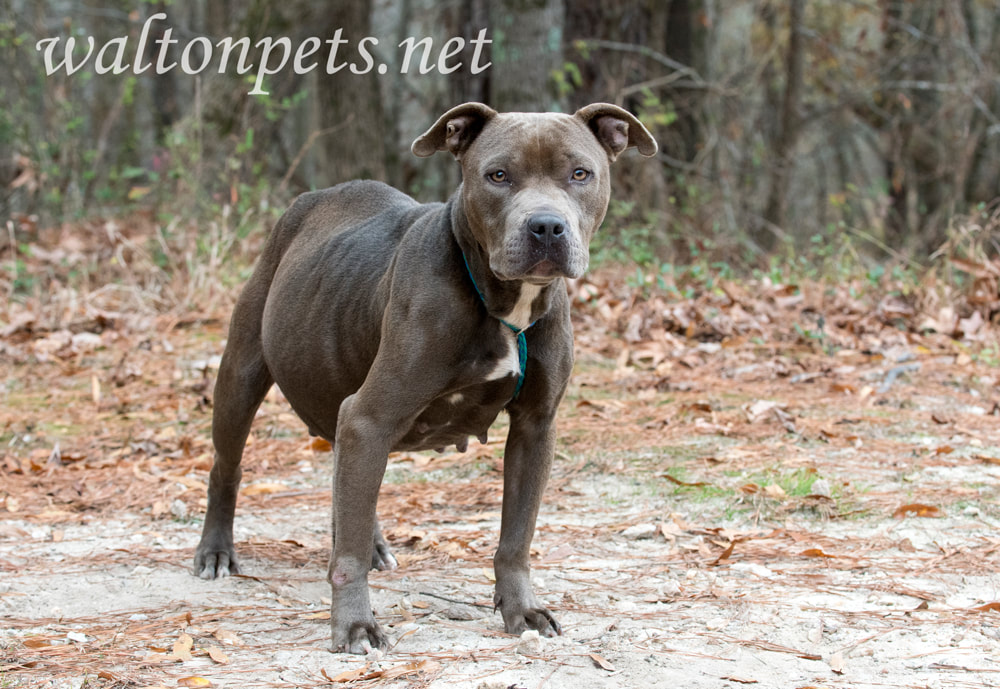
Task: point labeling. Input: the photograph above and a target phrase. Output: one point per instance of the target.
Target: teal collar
(522, 343)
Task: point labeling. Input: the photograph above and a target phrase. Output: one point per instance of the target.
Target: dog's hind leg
(241, 386)
(243, 381)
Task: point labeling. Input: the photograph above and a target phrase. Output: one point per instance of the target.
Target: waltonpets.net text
(274, 55)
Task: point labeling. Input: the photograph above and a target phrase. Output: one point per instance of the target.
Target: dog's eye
(499, 176)
(579, 174)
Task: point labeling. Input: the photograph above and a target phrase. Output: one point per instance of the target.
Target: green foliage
(567, 79)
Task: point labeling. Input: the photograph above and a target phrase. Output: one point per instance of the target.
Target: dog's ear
(617, 129)
(454, 130)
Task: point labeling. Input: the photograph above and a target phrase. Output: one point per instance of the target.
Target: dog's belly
(453, 418)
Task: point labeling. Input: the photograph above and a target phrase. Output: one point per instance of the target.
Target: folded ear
(617, 129)
(454, 130)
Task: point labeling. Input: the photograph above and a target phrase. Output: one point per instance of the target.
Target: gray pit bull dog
(394, 325)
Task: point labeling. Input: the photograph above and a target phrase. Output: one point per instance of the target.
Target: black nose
(547, 226)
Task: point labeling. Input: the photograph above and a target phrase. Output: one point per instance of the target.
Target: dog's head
(535, 186)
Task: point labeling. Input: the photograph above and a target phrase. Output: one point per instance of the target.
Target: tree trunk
(527, 49)
(788, 131)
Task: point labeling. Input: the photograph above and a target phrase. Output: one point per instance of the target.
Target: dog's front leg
(527, 461)
(360, 455)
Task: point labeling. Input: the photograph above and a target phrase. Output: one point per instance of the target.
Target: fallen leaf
(981, 458)
(994, 606)
(347, 675)
(678, 482)
(409, 669)
(319, 444)
(321, 615)
(182, 648)
(758, 409)
(263, 488)
(837, 662)
(724, 556)
(228, 637)
(740, 680)
(815, 552)
(193, 682)
(36, 642)
(216, 654)
(601, 662)
(917, 510)
(775, 491)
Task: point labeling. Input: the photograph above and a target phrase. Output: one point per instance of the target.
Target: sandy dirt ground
(745, 511)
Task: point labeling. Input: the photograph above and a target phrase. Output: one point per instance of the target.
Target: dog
(394, 325)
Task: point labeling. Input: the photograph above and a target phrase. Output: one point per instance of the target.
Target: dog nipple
(440, 450)
(481, 438)
(462, 445)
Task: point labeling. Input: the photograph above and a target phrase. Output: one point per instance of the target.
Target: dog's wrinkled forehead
(537, 141)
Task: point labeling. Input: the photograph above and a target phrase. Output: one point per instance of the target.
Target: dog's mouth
(544, 269)
(541, 273)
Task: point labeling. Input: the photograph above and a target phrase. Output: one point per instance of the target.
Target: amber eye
(580, 174)
(499, 176)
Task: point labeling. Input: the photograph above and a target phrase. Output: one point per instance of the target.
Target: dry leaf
(228, 637)
(216, 654)
(994, 606)
(724, 556)
(601, 662)
(182, 647)
(193, 682)
(318, 444)
(678, 482)
(775, 491)
(35, 642)
(348, 675)
(739, 680)
(815, 552)
(917, 510)
(409, 669)
(837, 662)
(321, 615)
(263, 488)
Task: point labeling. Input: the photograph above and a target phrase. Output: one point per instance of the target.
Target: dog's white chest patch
(508, 363)
(520, 315)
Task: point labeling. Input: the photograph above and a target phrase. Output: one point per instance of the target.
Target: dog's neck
(516, 302)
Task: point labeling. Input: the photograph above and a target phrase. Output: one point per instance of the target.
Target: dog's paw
(211, 563)
(360, 638)
(382, 558)
(534, 618)
(518, 619)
